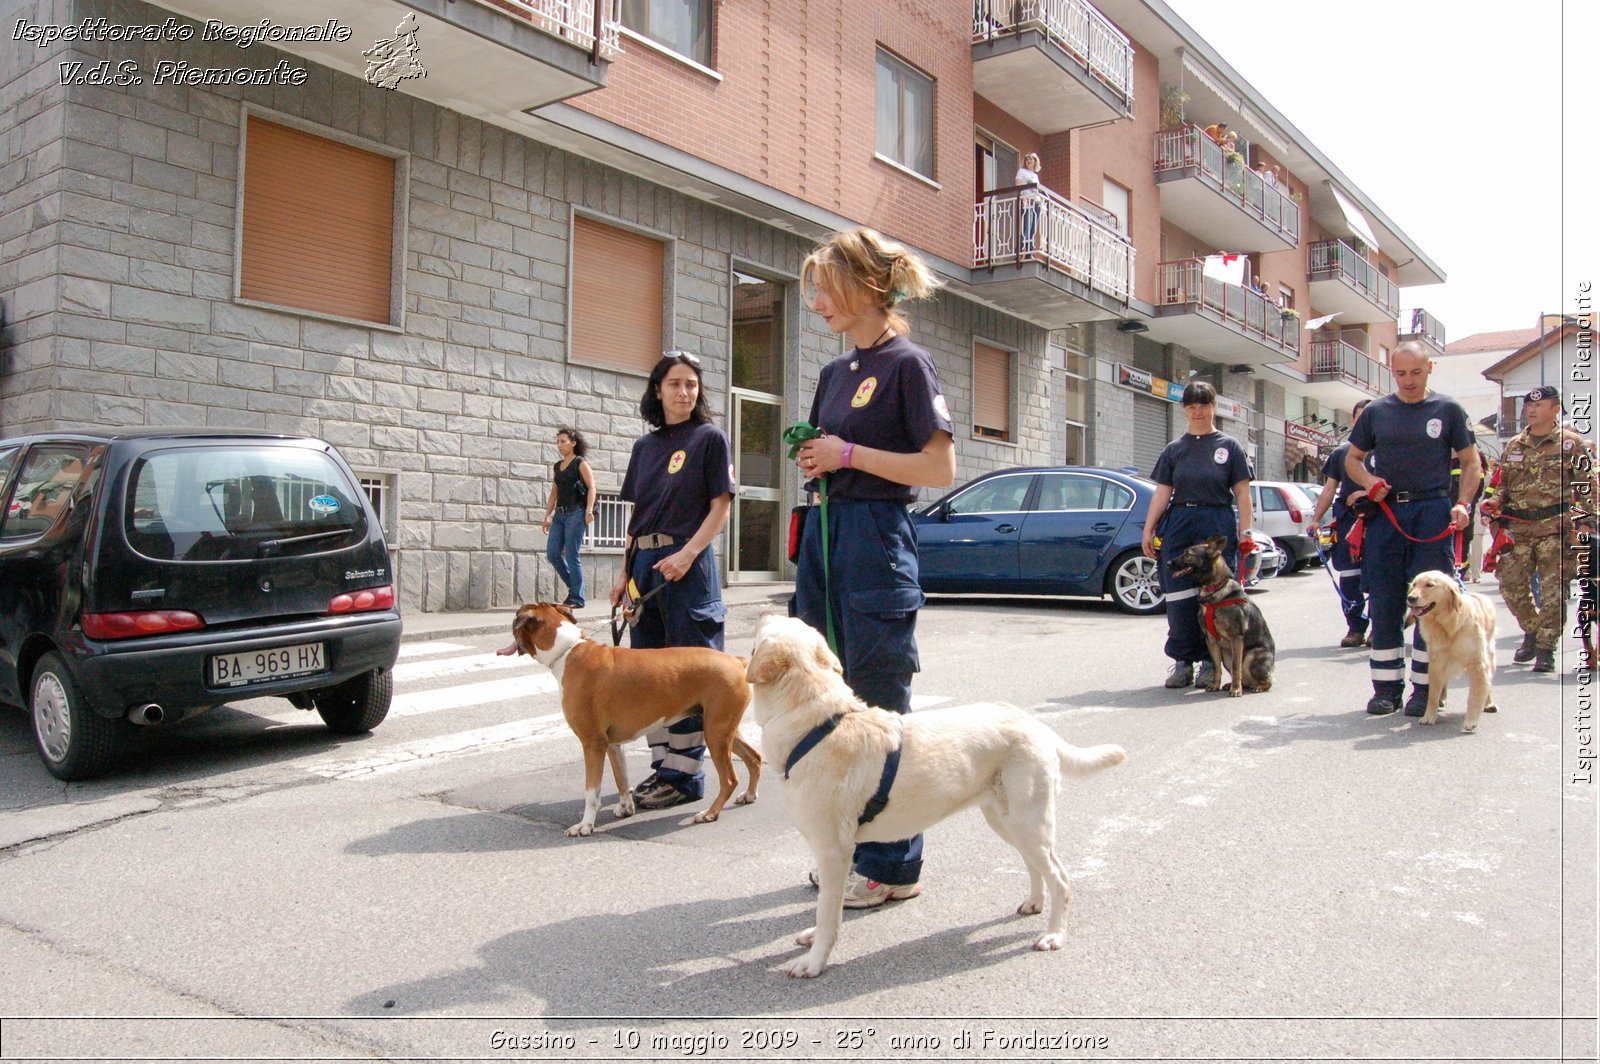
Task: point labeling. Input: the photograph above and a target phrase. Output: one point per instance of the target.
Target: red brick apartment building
(434, 251)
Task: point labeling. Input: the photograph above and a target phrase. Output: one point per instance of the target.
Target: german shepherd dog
(1236, 632)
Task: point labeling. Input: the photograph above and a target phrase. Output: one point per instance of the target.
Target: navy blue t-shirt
(1333, 469)
(673, 475)
(1413, 444)
(889, 402)
(1202, 469)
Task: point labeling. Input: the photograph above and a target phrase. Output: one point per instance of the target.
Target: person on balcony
(1030, 201)
(1216, 130)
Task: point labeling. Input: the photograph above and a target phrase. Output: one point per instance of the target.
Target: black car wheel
(1135, 585)
(74, 742)
(358, 705)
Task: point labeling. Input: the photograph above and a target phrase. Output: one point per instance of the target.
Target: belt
(654, 540)
(567, 509)
(1417, 496)
(1198, 505)
(1540, 514)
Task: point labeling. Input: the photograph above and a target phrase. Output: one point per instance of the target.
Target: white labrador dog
(994, 756)
(1459, 630)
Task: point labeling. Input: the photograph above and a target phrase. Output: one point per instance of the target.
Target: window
(1115, 200)
(1066, 355)
(618, 294)
(905, 115)
(45, 488)
(997, 163)
(991, 392)
(684, 26)
(317, 229)
(1285, 296)
(382, 494)
(1001, 495)
(1067, 491)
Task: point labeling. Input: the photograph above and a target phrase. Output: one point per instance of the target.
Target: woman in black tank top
(570, 509)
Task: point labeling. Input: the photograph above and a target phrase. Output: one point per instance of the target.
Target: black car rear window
(240, 501)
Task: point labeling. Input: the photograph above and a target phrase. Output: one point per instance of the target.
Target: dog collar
(1212, 589)
(891, 764)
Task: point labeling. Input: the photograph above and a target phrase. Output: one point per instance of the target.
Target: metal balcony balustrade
(1183, 282)
(1335, 359)
(1071, 25)
(1332, 259)
(1189, 152)
(1033, 224)
(570, 20)
(1421, 324)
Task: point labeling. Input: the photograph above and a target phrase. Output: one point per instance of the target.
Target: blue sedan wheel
(1135, 585)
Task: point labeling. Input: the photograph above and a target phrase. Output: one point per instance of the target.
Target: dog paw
(1469, 728)
(1031, 907)
(804, 967)
(1426, 721)
(1054, 940)
(625, 810)
(806, 937)
(1235, 692)
(579, 830)
(745, 799)
(705, 816)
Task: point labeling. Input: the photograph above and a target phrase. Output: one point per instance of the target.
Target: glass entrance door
(757, 550)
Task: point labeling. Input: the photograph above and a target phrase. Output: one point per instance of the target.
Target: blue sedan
(1071, 530)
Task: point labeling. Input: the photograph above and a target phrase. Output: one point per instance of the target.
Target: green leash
(794, 436)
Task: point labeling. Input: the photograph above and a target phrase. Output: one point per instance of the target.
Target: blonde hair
(862, 268)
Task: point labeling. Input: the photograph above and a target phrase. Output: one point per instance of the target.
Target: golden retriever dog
(993, 756)
(1458, 627)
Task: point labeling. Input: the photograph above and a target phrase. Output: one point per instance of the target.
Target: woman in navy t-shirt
(680, 481)
(887, 432)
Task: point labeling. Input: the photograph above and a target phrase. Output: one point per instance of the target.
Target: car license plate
(259, 666)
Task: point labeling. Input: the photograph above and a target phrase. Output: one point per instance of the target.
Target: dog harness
(1213, 607)
(891, 764)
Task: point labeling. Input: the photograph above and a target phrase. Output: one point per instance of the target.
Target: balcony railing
(1073, 26)
(1335, 358)
(1032, 223)
(1335, 258)
(1183, 282)
(571, 20)
(1420, 323)
(1189, 149)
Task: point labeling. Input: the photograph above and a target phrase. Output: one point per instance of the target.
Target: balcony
(1043, 258)
(1221, 322)
(1341, 374)
(1422, 327)
(1053, 64)
(1224, 204)
(486, 58)
(1341, 279)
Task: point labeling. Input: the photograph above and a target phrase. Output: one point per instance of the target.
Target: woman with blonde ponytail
(886, 432)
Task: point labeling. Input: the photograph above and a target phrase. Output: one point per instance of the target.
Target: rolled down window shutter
(617, 296)
(991, 391)
(318, 226)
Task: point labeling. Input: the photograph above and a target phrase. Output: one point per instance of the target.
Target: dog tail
(1084, 761)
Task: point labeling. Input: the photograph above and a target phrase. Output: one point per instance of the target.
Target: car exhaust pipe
(149, 713)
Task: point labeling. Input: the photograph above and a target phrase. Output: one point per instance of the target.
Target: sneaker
(1206, 675)
(1181, 675)
(1381, 704)
(663, 796)
(1526, 651)
(1544, 661)
(1353, 638)
(1417, 704)
(646, 785)
(863, 893)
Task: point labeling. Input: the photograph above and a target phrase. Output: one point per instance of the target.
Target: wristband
(844, 456)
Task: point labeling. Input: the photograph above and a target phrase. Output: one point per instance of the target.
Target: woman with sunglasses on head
(886, 433)
(680, 481)
(569, 512)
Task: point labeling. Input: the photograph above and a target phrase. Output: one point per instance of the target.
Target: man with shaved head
(1412, 436)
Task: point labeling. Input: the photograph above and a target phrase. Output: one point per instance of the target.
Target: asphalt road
(1273, 877)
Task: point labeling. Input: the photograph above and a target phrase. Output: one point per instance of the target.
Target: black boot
(1526, 651)
(1544, 661)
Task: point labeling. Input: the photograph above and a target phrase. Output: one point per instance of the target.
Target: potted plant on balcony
(1289, 314)
(1172, 101)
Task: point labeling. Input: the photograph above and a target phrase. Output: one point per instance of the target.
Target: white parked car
(1281, 511)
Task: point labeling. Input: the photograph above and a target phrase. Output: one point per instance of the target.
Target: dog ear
(566, 611)
(1217, 543)
(826, 659)
(768, 661)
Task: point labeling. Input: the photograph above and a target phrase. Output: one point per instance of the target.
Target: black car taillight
(372, 598)
(139, 623)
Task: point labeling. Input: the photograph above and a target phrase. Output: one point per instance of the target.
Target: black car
(147, 575)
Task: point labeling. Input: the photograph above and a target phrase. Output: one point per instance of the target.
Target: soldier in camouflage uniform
(1544, 469)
